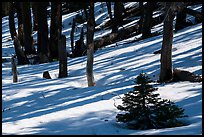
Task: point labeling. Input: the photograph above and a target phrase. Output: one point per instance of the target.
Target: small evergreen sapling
(145, 110)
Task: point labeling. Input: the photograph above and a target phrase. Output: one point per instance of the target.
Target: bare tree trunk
(27, 28)
(118, 12)
(147, 19)
(22, 59)
(11, 21)
(180, 20)
(14, 70)
(62, 57)
(166, 51)
(55, 28)
(90, 43)
(41, 8)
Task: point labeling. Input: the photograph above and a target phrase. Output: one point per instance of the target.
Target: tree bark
(180, 20)
(147, 20)
(166, 51)
(11, 21)
(27, 28)
(118, 12)
(62, 57)
(22, 59)
(90, 43)
(41, 8)
(14, 70)
(55, 28)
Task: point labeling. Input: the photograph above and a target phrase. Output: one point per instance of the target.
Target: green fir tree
(145, 110)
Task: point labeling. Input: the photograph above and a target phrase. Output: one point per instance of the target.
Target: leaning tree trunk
(27, 28)
(41, 8)
(11, 21)
(55, 28)
(166, 51)
(90, 43)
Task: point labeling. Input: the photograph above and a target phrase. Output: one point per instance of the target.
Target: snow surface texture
(67, 106)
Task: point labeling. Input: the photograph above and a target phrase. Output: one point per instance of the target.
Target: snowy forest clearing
(67, 106)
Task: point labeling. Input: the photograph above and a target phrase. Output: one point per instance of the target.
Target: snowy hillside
(67, 106)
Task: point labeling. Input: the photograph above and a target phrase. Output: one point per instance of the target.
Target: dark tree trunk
(22, 59)
(11, 21)
(180, 20)
(14, 70)
(27, 28)
(72, 36)
(166, 51)
(90, 46)
(55, 28)
(118, 12)
(147, 20)
(142, 9)
(41, 8)
(83, 47)
(62, 57)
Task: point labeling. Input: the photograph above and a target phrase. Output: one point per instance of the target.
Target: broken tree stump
(182, 75)
(46, 75)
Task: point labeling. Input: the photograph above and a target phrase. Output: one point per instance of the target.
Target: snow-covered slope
(67, 106)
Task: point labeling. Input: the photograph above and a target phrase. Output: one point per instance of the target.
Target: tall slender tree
(41, 8)
(55, 28)
(90, 44)
(27, 28)
(166, 51)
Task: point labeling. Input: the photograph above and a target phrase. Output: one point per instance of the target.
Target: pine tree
(145, 110)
